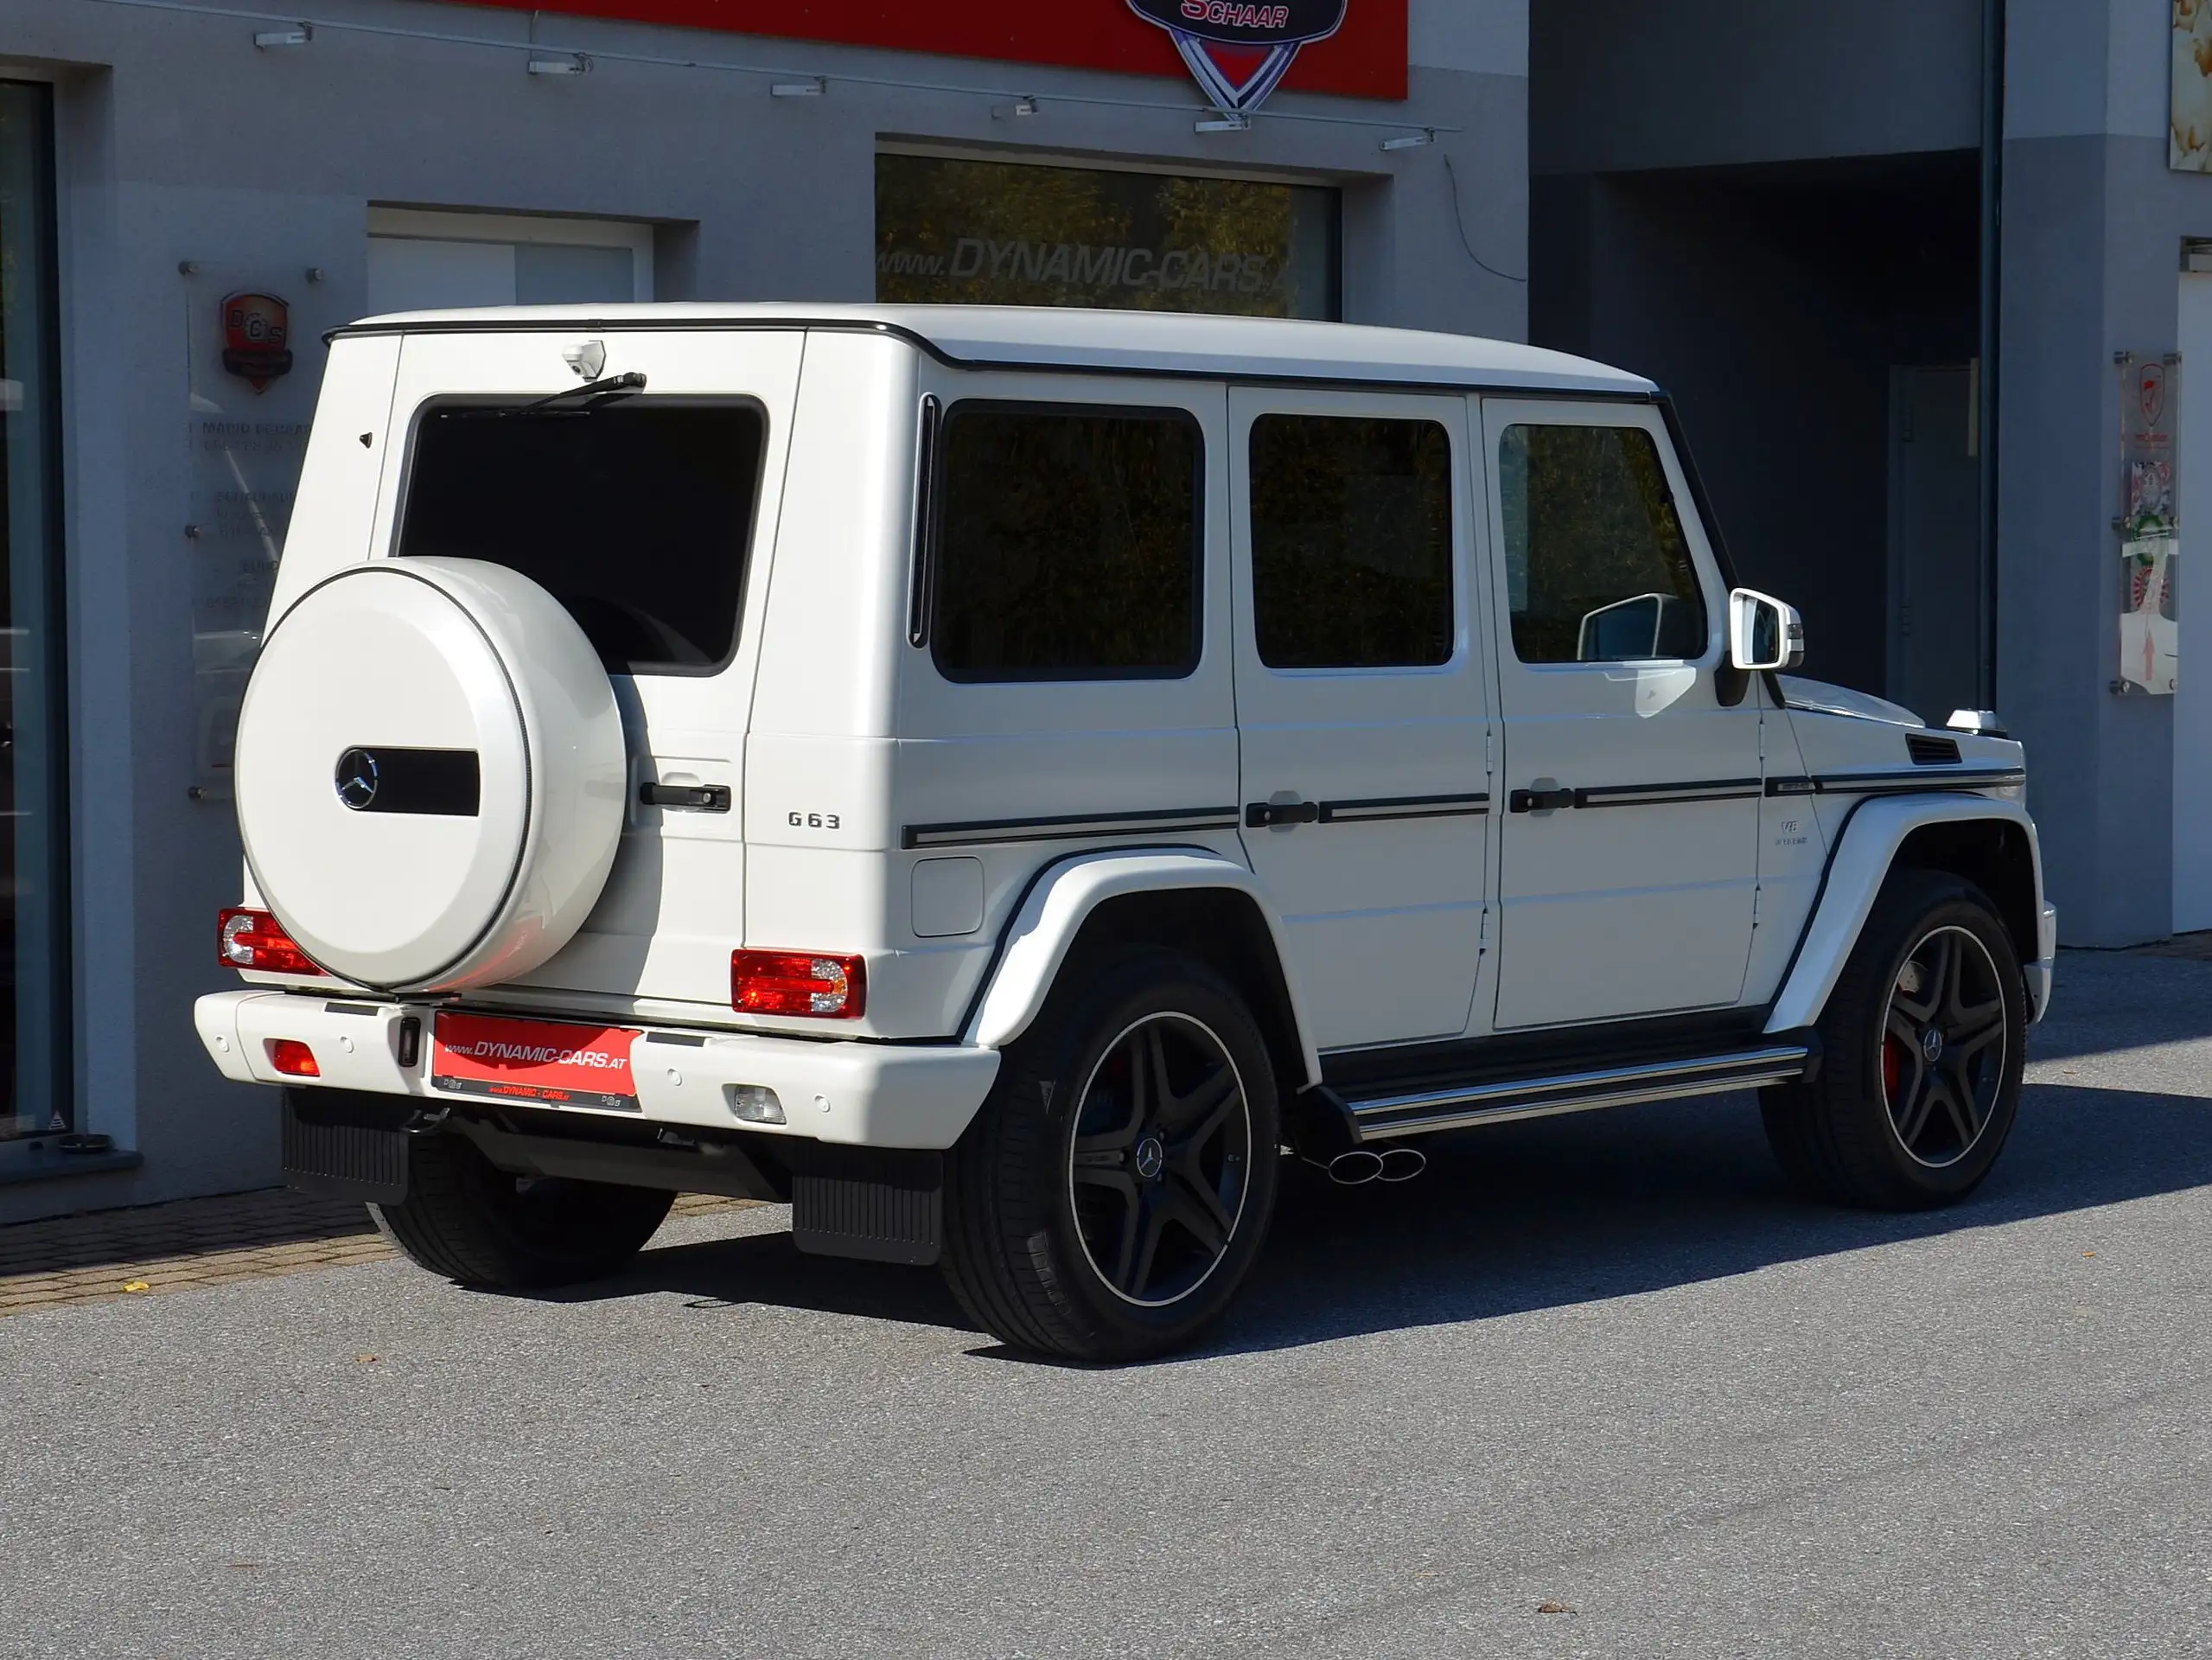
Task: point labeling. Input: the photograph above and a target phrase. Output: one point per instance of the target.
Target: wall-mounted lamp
(1227, 122)
(1019, 107)
(269, 37)
(575, 63)
(1408, 141)
(814, 88)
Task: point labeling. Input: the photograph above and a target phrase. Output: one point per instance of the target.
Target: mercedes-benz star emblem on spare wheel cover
(356, 779)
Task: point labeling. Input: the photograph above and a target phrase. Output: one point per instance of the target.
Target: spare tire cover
(429, 773)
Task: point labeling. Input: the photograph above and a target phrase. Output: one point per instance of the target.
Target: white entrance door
(2193, 680)
(1630, 847)
(423, 259)
(1360, 702)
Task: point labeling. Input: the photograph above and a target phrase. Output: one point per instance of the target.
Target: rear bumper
(853, 1094)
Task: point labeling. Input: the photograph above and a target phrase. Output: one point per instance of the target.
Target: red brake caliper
(1892, 1068)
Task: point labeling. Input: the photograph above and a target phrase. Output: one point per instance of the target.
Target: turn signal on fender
(798, 982)
(254, 939)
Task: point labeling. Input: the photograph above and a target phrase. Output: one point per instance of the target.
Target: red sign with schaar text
(533, 1062)
(1358, 48)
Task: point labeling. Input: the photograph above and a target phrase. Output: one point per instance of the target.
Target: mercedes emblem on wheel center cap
(1931, 1044)
(356, 779)
(1150, 1157)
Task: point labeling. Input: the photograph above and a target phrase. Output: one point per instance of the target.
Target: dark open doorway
(1780, 305)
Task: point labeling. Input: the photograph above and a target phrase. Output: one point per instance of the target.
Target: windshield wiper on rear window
(594, 394)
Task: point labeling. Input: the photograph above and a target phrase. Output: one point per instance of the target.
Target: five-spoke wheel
(1943, 1046)
(1160, 1158)
(1921, 1049)
(1114, 1188)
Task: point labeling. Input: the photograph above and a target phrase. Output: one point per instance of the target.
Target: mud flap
(345, 1145)
(877, 1204)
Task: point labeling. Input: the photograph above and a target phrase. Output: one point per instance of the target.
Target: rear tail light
(293, 1059)
(798, 982)
(254, 939)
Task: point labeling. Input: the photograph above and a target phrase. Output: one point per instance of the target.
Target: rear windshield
(637, 516)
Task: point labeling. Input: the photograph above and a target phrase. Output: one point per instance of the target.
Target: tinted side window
(1068, 544)
(636, 517)
(1597, 567)
(1351, 542)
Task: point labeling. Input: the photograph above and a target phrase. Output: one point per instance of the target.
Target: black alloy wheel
(1943, 1047)
(1921, 1044)
(1161, 1159)
(1116, 1185)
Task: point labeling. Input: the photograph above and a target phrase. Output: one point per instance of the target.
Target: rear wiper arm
(593, 393)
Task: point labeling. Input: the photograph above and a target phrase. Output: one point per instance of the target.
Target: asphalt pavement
(1604, 1366)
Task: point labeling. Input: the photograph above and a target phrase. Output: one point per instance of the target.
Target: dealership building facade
(1780, 213)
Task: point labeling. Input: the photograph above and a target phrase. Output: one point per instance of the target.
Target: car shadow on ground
(1531, 1216)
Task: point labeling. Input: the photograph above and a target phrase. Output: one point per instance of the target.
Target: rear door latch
(686, 798)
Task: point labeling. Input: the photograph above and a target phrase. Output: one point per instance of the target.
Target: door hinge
(1482, 934)
(1756, 891)
(1489, 762)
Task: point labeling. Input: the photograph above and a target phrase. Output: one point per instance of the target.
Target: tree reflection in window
(1351, 542)
(1596, 566)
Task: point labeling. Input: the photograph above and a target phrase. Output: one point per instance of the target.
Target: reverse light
(293, 1059)
(798, 982)
(254, 939)
(755, 1103)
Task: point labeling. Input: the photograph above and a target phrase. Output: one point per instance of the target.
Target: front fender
(1870, 839)
(1038, 940)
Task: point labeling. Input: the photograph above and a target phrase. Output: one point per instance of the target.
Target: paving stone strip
(189, 1243)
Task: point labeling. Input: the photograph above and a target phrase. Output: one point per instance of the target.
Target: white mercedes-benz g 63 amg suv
(996, 779)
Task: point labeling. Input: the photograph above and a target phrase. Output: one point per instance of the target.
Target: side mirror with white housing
(1763, 632)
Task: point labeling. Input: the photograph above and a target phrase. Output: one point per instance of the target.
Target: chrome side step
(1380, 1118)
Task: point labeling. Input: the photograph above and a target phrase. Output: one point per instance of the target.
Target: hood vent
(1933, 751)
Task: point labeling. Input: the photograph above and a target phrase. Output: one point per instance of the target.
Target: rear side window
(1597, 567)
(637, 516)
(1067, 543)
(1351, 542)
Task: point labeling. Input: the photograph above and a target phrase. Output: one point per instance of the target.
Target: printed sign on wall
(1358, 50)
(2189, 143)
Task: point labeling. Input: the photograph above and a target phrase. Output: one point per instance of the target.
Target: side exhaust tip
(1356, 1167)
(1403, 1164)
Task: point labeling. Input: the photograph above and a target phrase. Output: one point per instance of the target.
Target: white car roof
(1165, 342)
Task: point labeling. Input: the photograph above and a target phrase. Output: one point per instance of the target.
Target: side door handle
(685, 798)
(1539, 800)
(1265, 815)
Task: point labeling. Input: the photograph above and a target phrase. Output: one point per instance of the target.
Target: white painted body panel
(881, 809)
(1383, 916)
(1632, 909)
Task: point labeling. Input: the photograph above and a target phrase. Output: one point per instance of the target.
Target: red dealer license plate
(533, 1061)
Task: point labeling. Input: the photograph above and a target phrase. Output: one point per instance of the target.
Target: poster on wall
(253, 356)
(2188, 148)
(2150, 527)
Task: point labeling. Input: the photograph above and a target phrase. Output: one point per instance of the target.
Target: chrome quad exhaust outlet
(1364, 1164)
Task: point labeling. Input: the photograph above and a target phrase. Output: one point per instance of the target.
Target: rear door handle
(1265, 815)
(686, 798)
(1539, 800)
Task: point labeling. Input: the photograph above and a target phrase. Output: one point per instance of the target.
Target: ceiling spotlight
(576, 63)
(269, 37)
(1410, 141)
(814, 88)
(1227, 122)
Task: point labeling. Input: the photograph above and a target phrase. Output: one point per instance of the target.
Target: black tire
(483, 1227)
(1922, 1041)
(1155, 1064)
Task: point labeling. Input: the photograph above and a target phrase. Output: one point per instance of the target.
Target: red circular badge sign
(256, 327)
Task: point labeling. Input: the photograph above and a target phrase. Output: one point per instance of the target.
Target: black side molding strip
(1067, 826)
(1895, 781)
(1666, 795)
(1405, 806)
